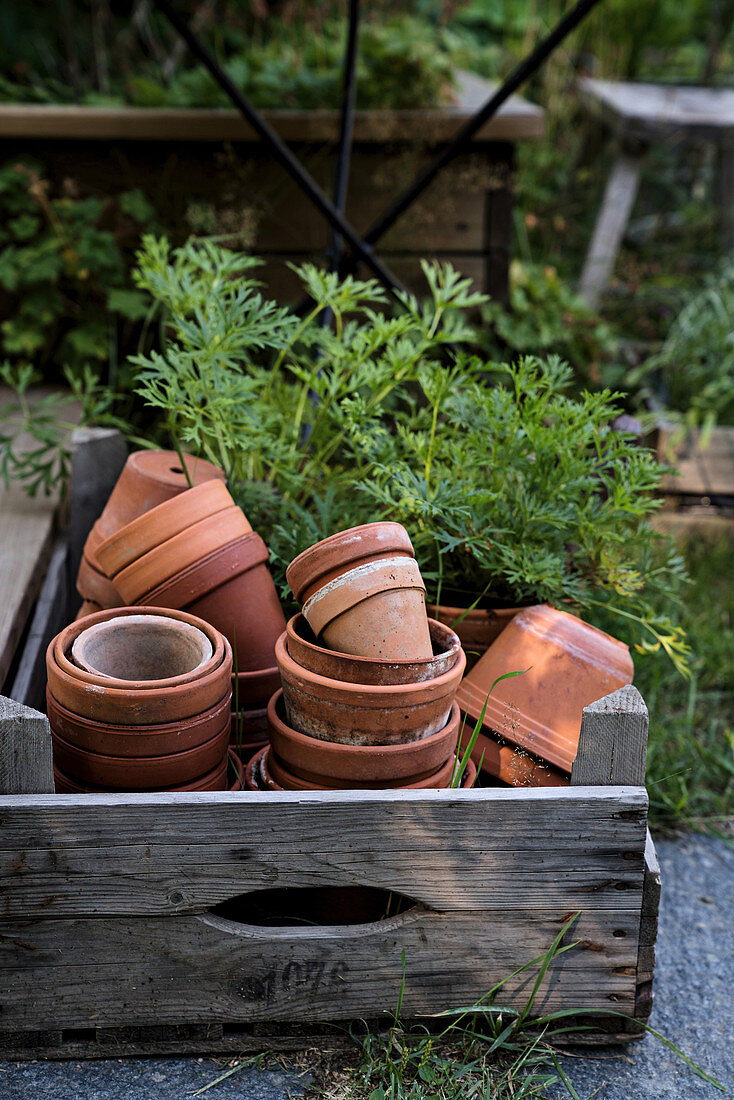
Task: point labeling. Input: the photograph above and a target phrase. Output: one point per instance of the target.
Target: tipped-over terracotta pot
(147, 702)
(160, 740)
(359, 714)
(94, 587)
(362, 592)
(339, 764)
(511, 764)
(302, 647)
(571, 664)
(180, 552)
(232, 589)
(162, 523)
(477, 629)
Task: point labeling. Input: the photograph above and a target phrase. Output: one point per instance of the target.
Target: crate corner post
(26, 765)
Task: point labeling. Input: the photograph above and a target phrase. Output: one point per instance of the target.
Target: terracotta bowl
(362, 592)
(232, 589)
(215, 780)
(162, 523)
(140, 773)
(160, 740)
(180, 552)
(303, 648)
(571, 664)
(120, 637)
(374, 764)
(360, 714)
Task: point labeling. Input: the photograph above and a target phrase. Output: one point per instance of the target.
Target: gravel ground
(694, 1008)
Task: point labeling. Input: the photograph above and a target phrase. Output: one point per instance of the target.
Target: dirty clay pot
(477, 629)
(302, 647)
(573, 664)
(180, 552)
(232, 589)
(162, 523)
(362, 593)
(348, 765)
(93, 586)
(160, 740)
(138, 703)
(96, 769)
(215, 780)
(512, 765)
(359, 714)
(148, 646)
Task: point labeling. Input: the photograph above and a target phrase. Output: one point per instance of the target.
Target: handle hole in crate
(314, 906)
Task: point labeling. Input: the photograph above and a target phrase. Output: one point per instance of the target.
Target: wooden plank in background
(702, 471)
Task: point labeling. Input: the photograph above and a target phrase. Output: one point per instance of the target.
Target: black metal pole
(518, 77)
(280, 150)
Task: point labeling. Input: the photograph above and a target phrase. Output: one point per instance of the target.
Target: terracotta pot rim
(212, 571)
(366, 694)
(256, 673)
(443, 773)
(92, 584)
(65, 640)
(202, 783)
(277, 771)
(181, 551)
(160, 728)
(141, 763)
(168, 519)
(343, 547)
(434, 626)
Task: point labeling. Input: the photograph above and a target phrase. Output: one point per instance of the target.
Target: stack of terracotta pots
(196, 552)
(531, 724)
(148, 479)
(368, 681)
(139, 700)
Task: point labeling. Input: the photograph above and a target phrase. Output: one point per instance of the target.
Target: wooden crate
(125, 923)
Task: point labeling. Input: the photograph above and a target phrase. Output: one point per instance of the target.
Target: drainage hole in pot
(177, 470)
(314, 905)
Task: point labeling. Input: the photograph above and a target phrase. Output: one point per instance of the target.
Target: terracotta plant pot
(359, 714)
(250, 729)
(302, 647)
(180, 552)
(143, 648)
(338, 764)
(362, 592)
(510, 764)
(89, 607)
(477, 629)
(148, 479)
(93, 586)
(253, 690)
(161, 523)
(573, 664)
(215, 780)
(232, 589)
(140, 741)
(140, 773)
(280, 775)
(151, 702)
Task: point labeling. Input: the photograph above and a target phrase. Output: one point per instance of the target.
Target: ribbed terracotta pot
(180, 552)
(137, 702)
(140, 773)
(510, 764)
(228, 775)
(160, 740)
(477, 629)
(232, 589)
(161, 523)
(359, 714)
(363, 594)
(302, 647)
(571, 664)
(349, 765)
(147, 479)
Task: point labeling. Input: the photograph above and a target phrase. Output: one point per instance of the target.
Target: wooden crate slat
(198, 969)
(169, 853)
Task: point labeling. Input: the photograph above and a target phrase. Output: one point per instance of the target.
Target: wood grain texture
(613, 741)
(52, 613)
(654, 112)
(700, 471)
(163, 854)
(26, 764)
(651, 890)
(196, 969)
(619, 198)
